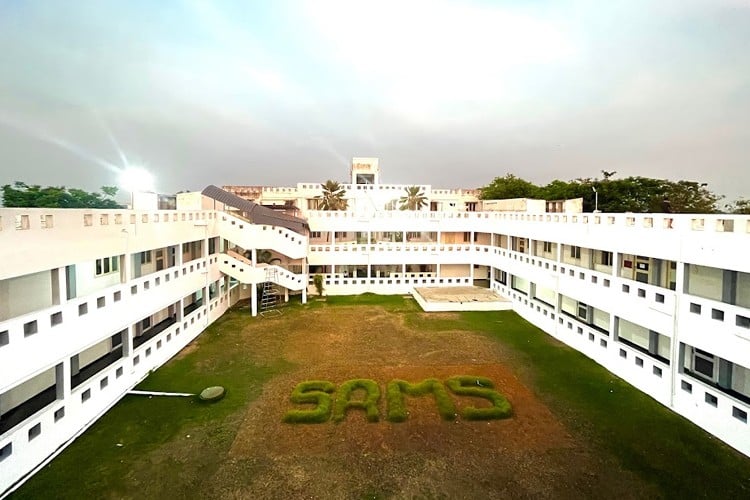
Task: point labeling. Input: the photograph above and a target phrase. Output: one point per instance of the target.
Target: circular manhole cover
(214, 393)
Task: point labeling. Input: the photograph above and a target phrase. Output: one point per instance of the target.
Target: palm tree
(333, 196)
(414, 199)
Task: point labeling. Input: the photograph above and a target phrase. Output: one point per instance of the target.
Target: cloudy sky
(443, 92)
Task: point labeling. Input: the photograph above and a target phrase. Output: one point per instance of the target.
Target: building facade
(92, 300)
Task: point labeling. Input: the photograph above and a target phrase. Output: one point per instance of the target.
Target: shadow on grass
(649, 439)
(100, 462)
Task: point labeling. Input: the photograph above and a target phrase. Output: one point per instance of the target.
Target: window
(467, 237)
(547, 247)
(146, 257)
(6, 451)
(575, 252)
(107, 265)
(501, 276)
(647, 341)
(605, 258)
(471, 206)
(704, 363)
(315, 234)
(583, 311)
(35, 431)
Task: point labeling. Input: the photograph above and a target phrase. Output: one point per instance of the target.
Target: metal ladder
(269, 299)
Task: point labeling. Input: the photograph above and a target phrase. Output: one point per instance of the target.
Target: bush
(396, 389)
(369, 404)
(479, 387)
(315, 392)
(318, 282)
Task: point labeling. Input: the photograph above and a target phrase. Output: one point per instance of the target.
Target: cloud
(425, 58)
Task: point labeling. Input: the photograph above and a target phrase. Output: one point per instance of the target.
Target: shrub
(369, 404)
(318, 282)
(315, 392)
(396, 389)
(479, 387)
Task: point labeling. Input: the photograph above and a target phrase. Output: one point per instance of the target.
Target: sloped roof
(255, 213)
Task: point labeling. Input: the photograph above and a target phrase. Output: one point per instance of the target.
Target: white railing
(244, 272)
(672, 223)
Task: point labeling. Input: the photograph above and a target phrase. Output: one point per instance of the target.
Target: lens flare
(136, 179)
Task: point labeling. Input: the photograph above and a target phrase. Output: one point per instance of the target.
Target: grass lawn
(576, 430)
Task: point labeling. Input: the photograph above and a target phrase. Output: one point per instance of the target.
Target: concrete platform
(459, 298)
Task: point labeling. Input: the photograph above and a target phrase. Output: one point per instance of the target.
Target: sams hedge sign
(320, 394)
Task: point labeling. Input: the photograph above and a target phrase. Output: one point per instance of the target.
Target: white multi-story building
(92, 300)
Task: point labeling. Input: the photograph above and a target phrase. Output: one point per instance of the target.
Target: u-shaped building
(92, 300)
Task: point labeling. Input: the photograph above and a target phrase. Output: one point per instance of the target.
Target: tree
(688, 197)
(21, 195)
(333, 196)
(631, 194)
(264, 256)
(414, 199)
(508, 187)
(740, 206)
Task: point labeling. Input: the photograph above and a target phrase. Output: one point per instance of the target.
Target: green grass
(137, 425)
(396, 389)
(649, 439)
(369, 404)
(391, 303)
(479, 387)
(656, 444)
(317, 392)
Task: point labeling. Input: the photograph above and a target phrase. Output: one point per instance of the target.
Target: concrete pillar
(62, 380)
(674, 363)
(616, 262)
(74, 364)
(127, 339)
(59, 286)
(178, 255)
(286, 295)
(253, 299)
(254, 256)
(304, 295)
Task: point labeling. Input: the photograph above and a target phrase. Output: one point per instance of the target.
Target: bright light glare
(136, 180)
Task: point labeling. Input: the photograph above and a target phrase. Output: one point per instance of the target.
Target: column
(127, 339)
(674, 362)
(253, 299)
(62, 380)
(304, 295)
(286, 294)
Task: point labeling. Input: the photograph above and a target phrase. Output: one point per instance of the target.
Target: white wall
(545, 294)
(634, 333)
(705, 282)
(25, 294)
(24, 391)
(94, 352)
(87, 282)
(455, 270)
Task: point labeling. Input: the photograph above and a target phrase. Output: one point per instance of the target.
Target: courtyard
(575, 430)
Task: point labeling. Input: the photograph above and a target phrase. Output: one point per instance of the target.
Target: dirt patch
(531, 454)
(185, 351)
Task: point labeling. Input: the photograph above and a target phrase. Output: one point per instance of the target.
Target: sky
(448, 93)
